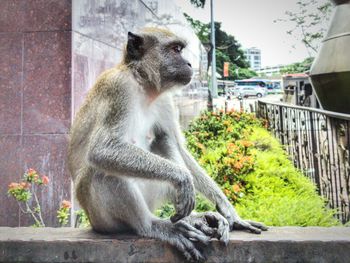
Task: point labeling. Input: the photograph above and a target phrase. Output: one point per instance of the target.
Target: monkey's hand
(235, 222)
(211, 224)
(185, 198)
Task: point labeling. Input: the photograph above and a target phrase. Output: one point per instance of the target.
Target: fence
(318, 142)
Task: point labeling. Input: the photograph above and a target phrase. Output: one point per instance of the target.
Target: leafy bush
(253, 171)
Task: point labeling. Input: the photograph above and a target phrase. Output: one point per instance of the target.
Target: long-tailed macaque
(127, 154)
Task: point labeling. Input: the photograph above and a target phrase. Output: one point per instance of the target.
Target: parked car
(247, 88)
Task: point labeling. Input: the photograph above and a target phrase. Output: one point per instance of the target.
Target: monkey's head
(155, 56)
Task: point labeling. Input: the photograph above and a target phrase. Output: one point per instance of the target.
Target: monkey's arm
(170, 145)
(114, 156)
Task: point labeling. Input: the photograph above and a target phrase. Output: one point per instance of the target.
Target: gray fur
(127, 153)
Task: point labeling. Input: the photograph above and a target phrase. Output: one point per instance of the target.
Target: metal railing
(318, 142)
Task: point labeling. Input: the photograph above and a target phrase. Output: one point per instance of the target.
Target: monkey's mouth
(187, 77)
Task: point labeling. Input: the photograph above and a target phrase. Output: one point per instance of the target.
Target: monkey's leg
(128, 208)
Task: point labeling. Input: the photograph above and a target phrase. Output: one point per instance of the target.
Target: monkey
(127, 154)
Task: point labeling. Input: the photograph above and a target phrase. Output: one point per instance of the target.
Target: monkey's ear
(135, 46)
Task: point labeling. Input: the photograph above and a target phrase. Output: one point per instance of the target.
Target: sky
(251, 22)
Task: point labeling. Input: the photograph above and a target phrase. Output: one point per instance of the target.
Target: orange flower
(45, 180)
(31, 172)
(246, 143)
(66, 204)
(201, 146)
(25, 185)
(236, 188)
(13, 185)
(247, 159)
(227, 192)
(32, 175)
(229, 129)
(238, 165)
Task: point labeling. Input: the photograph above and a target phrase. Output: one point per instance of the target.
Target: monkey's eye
(177, 48)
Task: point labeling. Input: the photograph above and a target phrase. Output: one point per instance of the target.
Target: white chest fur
(140, 130)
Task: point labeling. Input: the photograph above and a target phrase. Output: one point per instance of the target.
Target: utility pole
(214, 86)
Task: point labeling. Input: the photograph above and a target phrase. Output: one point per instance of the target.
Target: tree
(299, 67)
(227, 48)
(310, 22)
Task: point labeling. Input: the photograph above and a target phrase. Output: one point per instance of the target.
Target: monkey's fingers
(175, 218)
(188, 249)
(244, 225)
(184, 207)
(224, 231)
(258, 225)
(221, 225)
(193, 233)
(209, 231)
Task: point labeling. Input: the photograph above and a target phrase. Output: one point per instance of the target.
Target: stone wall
(51, 53)
(278, 245)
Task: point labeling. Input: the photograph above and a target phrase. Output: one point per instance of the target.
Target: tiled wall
(35, 100)
(51, 53)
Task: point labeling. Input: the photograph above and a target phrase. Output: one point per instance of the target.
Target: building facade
(253, 56)
(270, 71)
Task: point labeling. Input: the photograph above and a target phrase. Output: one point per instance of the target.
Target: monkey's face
(157, 57)
(174, 69)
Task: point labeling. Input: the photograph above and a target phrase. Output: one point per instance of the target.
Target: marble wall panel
(10, 171)
(47, 154)
(47, 82)
(35, 15)
(12, 15)
(47, 15)
(10, 82)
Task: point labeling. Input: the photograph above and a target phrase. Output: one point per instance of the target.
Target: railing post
(280, 109)
(315, 156)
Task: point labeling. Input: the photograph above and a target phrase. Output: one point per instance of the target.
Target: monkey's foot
(182, 235)
(235, 222)
(212, 224)
(252, 226)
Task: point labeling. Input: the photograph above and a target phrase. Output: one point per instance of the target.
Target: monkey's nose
(189, 64)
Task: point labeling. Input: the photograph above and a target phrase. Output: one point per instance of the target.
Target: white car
(247, 88)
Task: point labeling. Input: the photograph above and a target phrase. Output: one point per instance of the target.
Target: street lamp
(214, 88)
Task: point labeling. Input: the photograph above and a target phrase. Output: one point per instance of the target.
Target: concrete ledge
(279, 244)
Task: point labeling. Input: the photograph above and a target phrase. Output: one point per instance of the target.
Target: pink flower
(45, 180)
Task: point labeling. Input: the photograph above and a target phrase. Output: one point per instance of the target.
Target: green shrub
(253, 171)
(279, 194)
